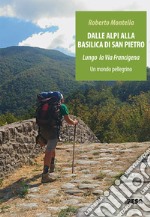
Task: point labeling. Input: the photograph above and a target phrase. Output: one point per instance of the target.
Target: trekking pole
(74, 142)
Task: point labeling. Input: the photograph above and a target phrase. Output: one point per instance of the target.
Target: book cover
(97, 54)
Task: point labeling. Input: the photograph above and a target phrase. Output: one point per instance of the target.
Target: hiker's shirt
(63, 110)
(52, 132)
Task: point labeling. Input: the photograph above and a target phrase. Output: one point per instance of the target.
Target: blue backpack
(44, 96)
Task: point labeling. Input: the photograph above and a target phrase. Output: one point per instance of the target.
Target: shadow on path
(19, 188)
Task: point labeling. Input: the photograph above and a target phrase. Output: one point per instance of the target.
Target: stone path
(97, 166)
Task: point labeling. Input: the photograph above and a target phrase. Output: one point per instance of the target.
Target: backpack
(48, 109)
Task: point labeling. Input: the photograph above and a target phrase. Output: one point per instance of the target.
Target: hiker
(51, 136)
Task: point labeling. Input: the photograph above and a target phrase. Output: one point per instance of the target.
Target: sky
(50, 24)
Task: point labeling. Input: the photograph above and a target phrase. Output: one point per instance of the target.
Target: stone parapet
(18, 142)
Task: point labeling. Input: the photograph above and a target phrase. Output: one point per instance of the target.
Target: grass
(58, 169)
(86, 182)
(114, 178)
(68, 212)
(4, 208)
(86, 172)
(96, 153)
(100, 176)
(87, 193)
(38, 167)
(118, 175)
(24, 189)
(1, 182)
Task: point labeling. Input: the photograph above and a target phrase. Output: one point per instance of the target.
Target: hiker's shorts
(51, 144)
(49, 133)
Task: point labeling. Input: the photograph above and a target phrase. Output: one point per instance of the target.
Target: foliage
(111, 119)
(7, 118)
(26, 71)
(115, 111)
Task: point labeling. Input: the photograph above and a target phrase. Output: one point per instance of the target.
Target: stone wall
(18, 147)
(83, 133)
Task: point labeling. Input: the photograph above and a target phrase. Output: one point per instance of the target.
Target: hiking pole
(74, 142)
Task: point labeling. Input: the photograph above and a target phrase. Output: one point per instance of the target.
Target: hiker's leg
(47, 159)
(49, 154)
(52, 165)
(53, 153)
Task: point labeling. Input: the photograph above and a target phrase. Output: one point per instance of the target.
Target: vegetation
(1, 182)
(24, 188)
(115, 111)
(112, 120)
(100, 176)
(26, 71)
(70, 211)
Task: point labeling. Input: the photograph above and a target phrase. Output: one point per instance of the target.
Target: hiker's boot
(52, 165)
(46, 177)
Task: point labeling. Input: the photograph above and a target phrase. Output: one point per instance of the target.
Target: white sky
(61, 13)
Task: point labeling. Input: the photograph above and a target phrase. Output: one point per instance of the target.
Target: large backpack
(48, 109)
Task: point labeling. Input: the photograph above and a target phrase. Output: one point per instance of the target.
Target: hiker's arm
(70, 121)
